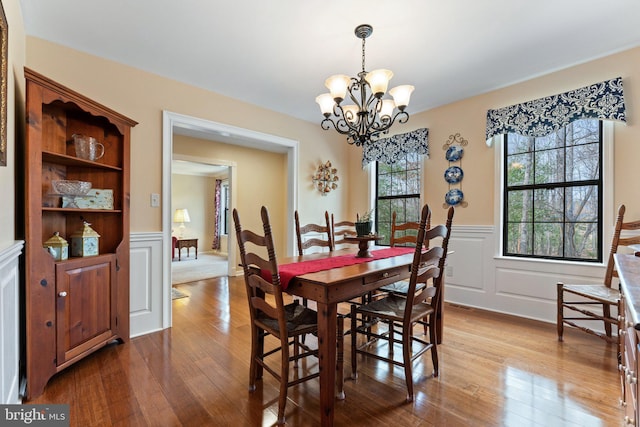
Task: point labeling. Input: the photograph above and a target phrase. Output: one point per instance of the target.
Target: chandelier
(369, 115)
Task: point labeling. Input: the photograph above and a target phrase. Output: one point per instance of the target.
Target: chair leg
(255, 370)
(391, 338)
(606, 312)
(354, 336)
(433, 339)
(560, 318)
(284, 379)
(340, 361)
(407, 333)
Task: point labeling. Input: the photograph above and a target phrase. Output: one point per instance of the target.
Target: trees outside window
(397, 189)
(553, 194)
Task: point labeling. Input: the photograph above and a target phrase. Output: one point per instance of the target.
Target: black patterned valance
(604, 100)
(390, 150)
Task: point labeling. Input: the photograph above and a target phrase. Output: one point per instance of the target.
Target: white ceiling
(277, 54)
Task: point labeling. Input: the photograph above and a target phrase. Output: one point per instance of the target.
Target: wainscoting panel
(464, 265)
(10, 324)
(146, 297)
(477, 276)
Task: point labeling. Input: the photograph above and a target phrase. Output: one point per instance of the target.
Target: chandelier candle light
(370, 115)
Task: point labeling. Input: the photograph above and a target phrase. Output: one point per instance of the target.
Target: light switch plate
(155, 200)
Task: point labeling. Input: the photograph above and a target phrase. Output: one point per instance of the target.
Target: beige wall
(468, 117)
(15, 116)
(143, 96)
(196, 194)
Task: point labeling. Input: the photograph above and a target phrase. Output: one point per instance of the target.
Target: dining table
(329, 278)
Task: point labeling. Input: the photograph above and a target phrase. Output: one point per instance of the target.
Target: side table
(186, 243)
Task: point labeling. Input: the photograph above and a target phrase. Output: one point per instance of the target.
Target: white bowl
(71, 187)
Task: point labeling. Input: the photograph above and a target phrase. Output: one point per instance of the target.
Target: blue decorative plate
(454, 153)
(453, 197)
(453, 175)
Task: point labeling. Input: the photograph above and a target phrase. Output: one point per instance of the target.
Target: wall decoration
(326, 178)
(453, 174)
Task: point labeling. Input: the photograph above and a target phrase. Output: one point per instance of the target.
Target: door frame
(207, 129)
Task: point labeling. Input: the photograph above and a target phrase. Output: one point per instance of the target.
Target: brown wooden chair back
(620, 238)
(404, 233)
(253, 264)
(321, 234)
(426, 265)
(341, 229)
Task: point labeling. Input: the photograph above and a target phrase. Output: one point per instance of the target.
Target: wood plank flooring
(495, 370)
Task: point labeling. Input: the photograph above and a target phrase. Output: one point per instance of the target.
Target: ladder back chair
(270, 316)
(340, 230)
(604, 295)
(404, 312)
(320, 235)
(402, 234)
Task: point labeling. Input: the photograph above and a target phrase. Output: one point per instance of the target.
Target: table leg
(327, 330)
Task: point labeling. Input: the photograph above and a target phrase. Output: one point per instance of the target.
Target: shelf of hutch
(75, 306)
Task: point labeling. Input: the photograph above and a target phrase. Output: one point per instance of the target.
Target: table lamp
(181, 216)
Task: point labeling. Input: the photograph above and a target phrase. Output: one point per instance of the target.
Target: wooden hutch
(78, 305)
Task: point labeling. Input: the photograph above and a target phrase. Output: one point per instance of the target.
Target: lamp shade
(181, 215)
(401, 95)
(379, 80)
(326, 103)
(338, 86)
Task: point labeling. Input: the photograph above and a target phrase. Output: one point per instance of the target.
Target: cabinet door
(85, 317)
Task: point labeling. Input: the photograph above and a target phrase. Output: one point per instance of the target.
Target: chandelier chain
(363, 41)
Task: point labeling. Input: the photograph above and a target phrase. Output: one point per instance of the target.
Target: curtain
(390, 150)
(216, 206)
(540, 117)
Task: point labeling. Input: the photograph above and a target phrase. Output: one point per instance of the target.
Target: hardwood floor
(495, 370)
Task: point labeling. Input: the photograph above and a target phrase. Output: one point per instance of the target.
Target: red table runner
(289, 271)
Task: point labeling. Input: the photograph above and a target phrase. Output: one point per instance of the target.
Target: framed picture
(4, 46)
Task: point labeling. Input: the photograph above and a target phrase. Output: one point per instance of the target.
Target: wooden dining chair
(340, 230)
(270, 316)
(604, 295)
(404, 234)
(313, 235)
(402, 313)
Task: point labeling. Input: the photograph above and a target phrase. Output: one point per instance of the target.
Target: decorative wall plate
(454, 153)
(453, 197)
(453, 174)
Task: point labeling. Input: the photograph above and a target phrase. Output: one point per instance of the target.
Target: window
(224, 208)
(553, 194)
(397, 189)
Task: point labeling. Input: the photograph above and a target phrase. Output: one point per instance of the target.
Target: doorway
(199, 195)
(174, 123)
